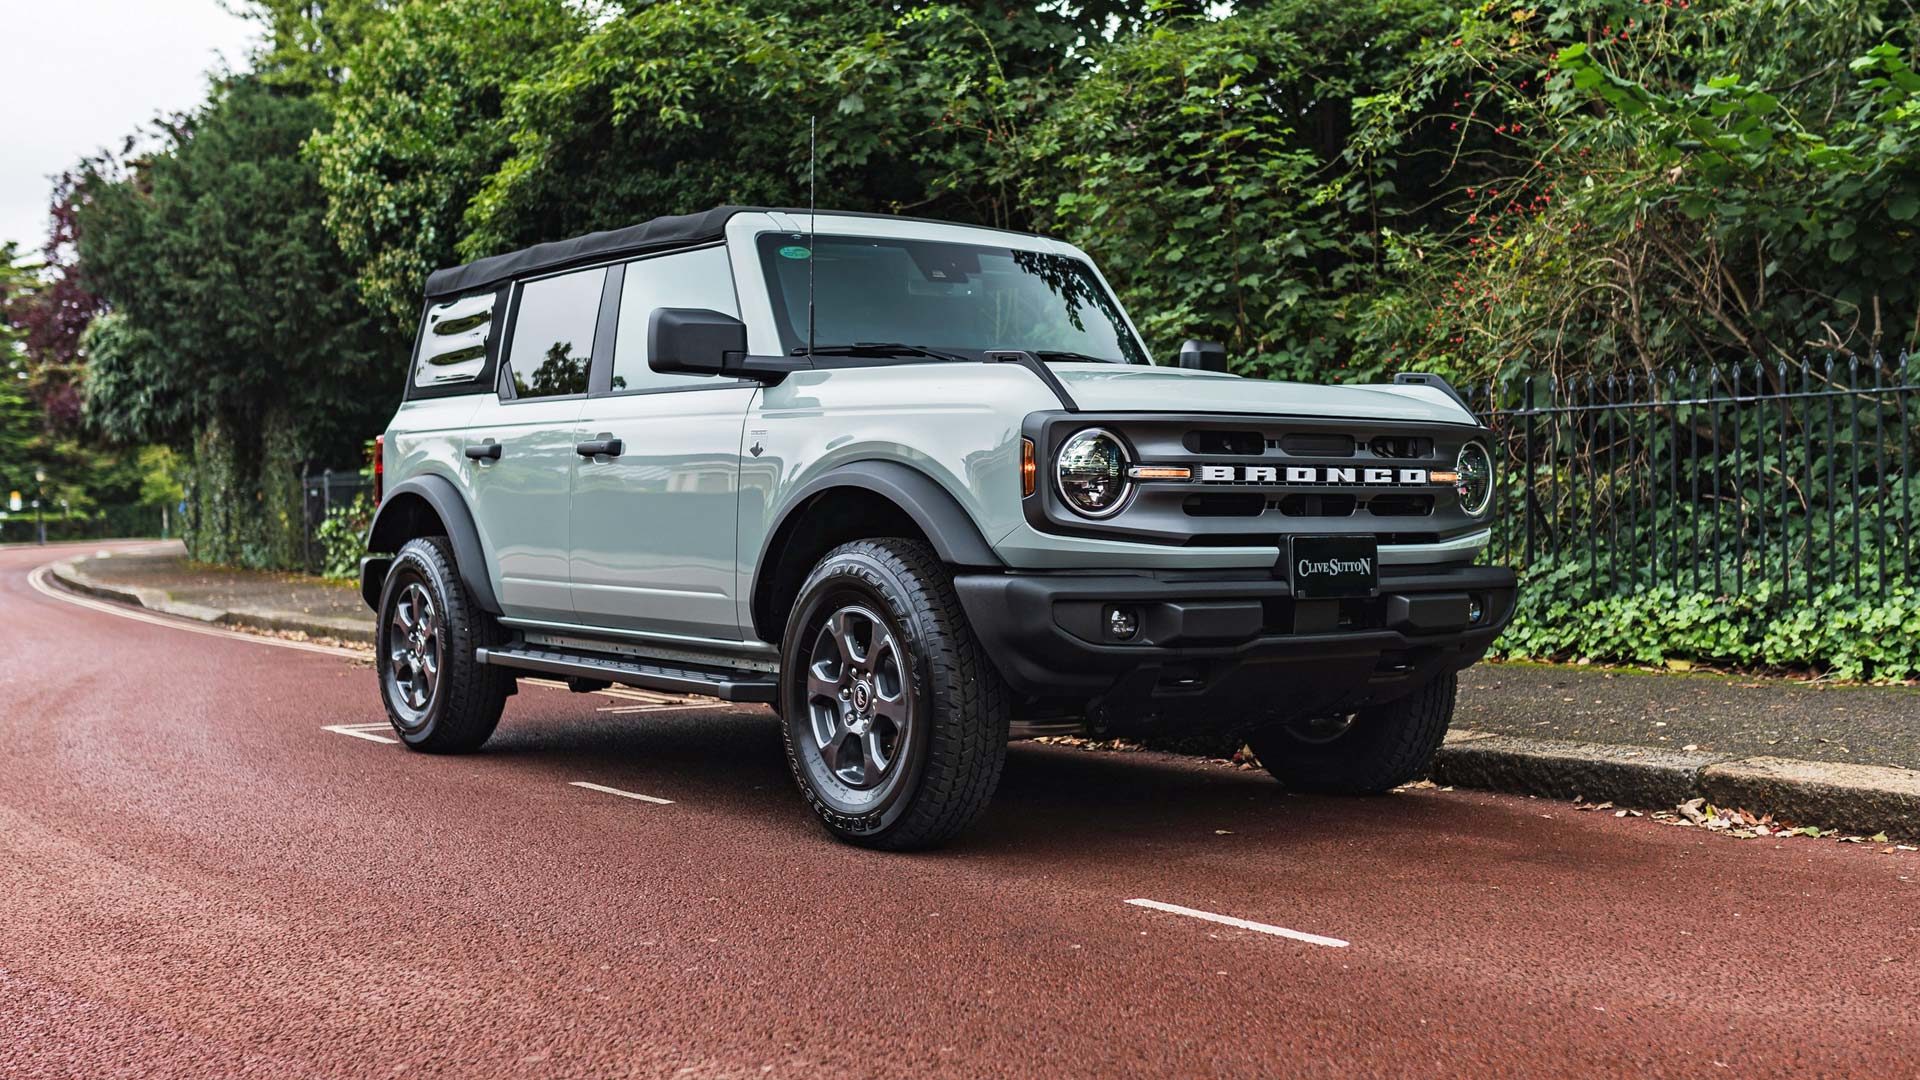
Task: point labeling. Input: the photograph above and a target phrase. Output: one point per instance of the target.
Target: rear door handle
(484, 451)
(598, 448)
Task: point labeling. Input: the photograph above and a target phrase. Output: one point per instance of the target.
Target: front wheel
(894, 720)
(1361, 753)
(439, 697)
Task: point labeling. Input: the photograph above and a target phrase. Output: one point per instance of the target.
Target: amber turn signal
(1029, 468)
(1160, 472)
(1443, 476)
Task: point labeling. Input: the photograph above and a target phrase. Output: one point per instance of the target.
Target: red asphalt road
(197, 880)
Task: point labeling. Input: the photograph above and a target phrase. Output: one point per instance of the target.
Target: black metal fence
(1796, 478)
(324, 491)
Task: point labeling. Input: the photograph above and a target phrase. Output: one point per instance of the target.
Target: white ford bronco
(920, 488)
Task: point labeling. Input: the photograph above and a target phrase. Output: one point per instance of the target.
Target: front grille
(1272, 477)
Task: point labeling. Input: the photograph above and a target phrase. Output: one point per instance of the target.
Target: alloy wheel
(414, 653)
(857, 702)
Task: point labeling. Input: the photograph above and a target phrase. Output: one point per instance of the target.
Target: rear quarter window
(454, 340)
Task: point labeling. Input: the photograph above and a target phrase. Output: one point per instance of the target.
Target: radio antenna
(812, 145)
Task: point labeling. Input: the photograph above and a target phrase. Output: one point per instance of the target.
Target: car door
(653, 525)
(521, 490)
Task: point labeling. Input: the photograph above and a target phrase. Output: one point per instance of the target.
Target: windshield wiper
(880, 348)
(1063, 354)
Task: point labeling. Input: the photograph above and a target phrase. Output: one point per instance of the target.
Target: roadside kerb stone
(1865, 799)
(69, 574)
(1626, 775)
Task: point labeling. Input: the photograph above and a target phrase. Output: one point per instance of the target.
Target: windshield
(960, 300)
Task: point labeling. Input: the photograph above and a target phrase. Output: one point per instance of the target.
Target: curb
(1864, 799)
(70, 575)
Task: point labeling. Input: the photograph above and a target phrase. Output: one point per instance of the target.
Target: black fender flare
(947, 525)
(390, 528)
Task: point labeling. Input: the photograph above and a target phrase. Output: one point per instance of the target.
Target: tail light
(379, 468)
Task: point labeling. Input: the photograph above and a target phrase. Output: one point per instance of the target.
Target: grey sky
(84, 73)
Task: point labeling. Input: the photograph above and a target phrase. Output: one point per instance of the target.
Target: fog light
(1475, 609)
(1122, 623)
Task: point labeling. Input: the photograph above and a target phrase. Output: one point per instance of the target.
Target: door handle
(598, 448)
(484, 451)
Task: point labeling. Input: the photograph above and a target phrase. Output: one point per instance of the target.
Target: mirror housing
(699, 341)
(693, 341)
(1199, 355)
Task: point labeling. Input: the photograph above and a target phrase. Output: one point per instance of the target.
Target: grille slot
(1400, 505)
(1310, 504)
(1316, 444)
(1226, 443)
(1401, 446)
(1247, 504)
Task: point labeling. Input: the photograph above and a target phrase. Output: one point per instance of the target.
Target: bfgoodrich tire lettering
(439, 698)
(894, 721)
(1374, 751)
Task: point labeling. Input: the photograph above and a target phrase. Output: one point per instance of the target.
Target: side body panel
(426, 438)
(520, 501)
(654, 529)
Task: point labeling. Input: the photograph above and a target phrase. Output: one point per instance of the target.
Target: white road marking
(622, 794)
(1244, 924)
(361, 731)
(38, 579)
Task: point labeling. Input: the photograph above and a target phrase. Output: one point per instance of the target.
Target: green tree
(418, 127)
(1209, 165)
(306, 43)
(236, 328)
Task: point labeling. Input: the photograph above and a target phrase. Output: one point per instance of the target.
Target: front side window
(689, 279)
(954, 299)
(553, 328)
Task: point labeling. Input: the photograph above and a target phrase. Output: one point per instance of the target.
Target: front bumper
(1223, 650)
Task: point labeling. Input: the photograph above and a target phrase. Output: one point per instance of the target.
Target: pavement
(214, 863)
(159, 576)
(1808, 754)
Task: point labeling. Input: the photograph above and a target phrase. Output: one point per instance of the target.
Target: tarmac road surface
(213, 864)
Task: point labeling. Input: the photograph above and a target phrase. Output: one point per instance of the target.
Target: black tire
(1377, 750)
(426, 614)
(943, 701)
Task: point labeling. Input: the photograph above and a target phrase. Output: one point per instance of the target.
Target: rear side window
(453, 344)
(689, 279)
(553, 326)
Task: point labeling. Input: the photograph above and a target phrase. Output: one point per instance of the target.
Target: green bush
(1855, 636)
(342, 536)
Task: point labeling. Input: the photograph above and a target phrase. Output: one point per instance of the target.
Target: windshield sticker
(794, 251)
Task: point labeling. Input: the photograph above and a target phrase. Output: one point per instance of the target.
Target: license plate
(1333, 565)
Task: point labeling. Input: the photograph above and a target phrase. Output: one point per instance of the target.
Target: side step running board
(742, 686)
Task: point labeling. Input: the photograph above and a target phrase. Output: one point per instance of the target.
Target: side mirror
(1203, 355)
(693, 341)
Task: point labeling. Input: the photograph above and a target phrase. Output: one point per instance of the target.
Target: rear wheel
(1360, 753)
(439, 697)
(895, 723)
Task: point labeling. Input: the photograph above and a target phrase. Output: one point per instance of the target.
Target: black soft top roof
(679, 230)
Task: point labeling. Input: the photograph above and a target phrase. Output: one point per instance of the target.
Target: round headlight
(1092, 471)
(1475, 485)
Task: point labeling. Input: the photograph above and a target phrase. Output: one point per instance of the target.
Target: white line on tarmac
(622, 794)
(1228, 920)
(361, 731)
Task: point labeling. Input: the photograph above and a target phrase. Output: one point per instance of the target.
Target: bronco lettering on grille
(1309, 474)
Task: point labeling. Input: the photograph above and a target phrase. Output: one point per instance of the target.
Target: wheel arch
(854, 501)
(431, 506)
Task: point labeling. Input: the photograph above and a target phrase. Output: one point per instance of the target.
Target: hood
(1127, 388)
